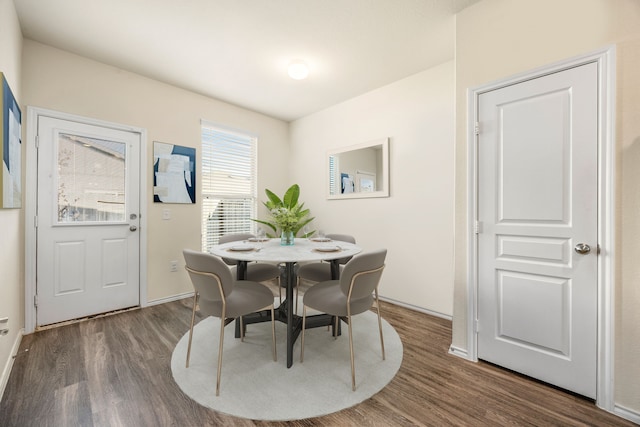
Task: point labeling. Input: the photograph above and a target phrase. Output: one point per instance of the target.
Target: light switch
(166, 214)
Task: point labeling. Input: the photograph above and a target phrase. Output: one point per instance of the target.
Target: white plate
(241, 248)
(328, 249)
(255, 239)
(320, 239)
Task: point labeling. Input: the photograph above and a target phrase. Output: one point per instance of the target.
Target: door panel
(519, 296)
(537, 199)
(88, 214)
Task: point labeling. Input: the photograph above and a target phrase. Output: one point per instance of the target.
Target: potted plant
(288, 216)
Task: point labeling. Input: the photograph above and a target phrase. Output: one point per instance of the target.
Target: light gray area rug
(254, 386)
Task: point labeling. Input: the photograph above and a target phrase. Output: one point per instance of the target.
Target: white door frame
(31, 202)
(605, 58)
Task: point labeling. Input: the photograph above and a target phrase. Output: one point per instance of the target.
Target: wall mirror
(359, 171)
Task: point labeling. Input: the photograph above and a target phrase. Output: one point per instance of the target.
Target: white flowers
(285, 219)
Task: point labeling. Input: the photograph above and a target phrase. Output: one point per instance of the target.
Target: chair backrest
(208, 274)
(343, 238)
(234, 238)
(362, 274)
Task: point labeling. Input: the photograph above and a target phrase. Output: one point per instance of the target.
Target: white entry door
(537, 241)
(87, 218)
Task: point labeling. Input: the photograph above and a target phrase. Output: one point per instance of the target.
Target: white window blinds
(332, 175)
(229, 198)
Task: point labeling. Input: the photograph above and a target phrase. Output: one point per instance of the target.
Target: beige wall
(416, 222)
(11, 248)
(498, 38)
(61, 81)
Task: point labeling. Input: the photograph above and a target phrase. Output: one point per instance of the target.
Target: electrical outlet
(173, 265)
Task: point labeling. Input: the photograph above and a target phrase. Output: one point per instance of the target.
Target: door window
(90, 179)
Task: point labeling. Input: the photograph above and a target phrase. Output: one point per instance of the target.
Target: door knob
(134, 228)
(582, 248)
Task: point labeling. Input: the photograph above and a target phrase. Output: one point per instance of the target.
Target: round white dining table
(303, 250)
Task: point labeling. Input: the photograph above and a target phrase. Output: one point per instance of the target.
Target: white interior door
(88, 244)
(537, 212)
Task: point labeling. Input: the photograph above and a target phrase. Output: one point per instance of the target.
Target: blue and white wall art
(174, 173)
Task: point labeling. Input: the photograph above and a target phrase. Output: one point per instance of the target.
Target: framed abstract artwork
(174, 173)
(11, 131)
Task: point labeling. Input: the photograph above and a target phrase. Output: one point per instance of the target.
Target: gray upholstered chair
(355, 292)
(321, 271)
(218, 294)
(256, 271)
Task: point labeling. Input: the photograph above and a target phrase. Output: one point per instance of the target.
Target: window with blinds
(332, 176)
(229, 188)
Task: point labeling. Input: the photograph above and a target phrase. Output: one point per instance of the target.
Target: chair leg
(380, 324)
(220, 354)
(304, 323)
(353, 365)
(273, 334)
(193, 318)
(241, 330)
(295, 310)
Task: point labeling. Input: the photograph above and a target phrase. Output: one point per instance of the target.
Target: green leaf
(291, 196)
(301, 225)
(273, 199)
(302, 214)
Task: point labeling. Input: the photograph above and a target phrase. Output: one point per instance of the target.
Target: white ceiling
(238, 50)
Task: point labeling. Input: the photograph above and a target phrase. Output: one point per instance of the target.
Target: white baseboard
(457, 351)
(9, 365)
(452, 349)
(169, 299)
(627, 414)
(416, 308)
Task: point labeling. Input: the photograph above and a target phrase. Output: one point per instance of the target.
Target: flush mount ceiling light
(298, 70)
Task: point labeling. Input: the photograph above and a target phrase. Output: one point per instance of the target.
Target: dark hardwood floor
(115, 371)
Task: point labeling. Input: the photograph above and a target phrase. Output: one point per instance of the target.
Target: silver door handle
(133, 228)
(582, 248)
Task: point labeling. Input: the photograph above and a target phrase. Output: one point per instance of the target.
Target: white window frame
(233, 180)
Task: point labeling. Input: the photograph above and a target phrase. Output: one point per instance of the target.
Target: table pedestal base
(284, 313)
(294, 330)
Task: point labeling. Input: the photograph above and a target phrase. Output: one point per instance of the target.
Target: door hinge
(35, 300)
(477, 227)
(476, 128)
(35, 221)
(476, 326)
(37, 142)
